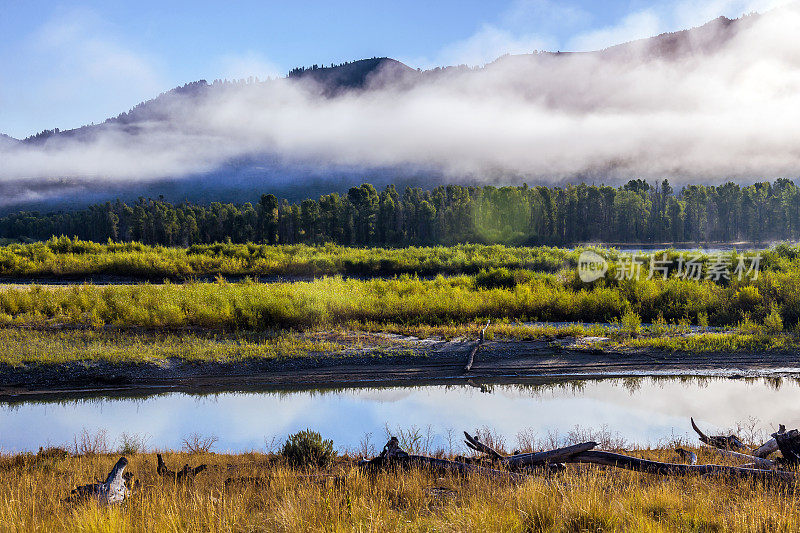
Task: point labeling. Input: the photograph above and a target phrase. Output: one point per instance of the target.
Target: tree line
(637, 212)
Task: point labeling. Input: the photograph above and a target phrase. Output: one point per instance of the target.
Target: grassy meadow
(64, 257)
(498, 294)
(341, 498)
(445, 292)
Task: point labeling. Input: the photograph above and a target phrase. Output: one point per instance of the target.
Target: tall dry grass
(341, 498)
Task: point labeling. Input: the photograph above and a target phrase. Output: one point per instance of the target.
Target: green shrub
(307, 448)
(773, 323)
(631, 322)
(747, 326)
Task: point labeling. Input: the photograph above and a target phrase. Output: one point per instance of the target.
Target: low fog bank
(715, 104)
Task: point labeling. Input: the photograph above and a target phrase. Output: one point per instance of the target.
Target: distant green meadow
(435, 286)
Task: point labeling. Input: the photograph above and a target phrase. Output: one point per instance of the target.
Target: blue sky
(67, 64)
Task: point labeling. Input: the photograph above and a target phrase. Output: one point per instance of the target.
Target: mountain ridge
(379, 72)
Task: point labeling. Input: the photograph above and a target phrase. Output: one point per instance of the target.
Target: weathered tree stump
(112, 490)
(788, 443)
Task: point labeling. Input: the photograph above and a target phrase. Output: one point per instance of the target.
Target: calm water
(641, 410)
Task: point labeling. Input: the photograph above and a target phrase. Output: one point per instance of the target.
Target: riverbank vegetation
(53, 347)
(338, 497)
(31, 347)
(66, 258)
(771, 301)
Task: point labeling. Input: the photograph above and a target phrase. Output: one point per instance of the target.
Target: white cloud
(81, 64)
(523, 27)
(635, 26)
(486, 45)
(731, 115)
(690, 13)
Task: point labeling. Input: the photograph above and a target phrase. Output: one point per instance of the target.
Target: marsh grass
(63, 256)
(405, 299)
(25, 346)
(584, 498)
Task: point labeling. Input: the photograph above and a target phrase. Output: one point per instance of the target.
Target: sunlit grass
(24, 346)
(66, 257)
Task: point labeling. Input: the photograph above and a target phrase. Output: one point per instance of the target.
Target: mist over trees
(638, 212)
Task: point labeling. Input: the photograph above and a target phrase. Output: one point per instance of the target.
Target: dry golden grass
(585, 498)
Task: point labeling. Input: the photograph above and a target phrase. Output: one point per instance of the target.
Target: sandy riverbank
(420, 361)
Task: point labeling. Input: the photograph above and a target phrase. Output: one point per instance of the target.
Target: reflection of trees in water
(533, 387)
(632, 384)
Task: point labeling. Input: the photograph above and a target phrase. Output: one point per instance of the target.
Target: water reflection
(640, 410)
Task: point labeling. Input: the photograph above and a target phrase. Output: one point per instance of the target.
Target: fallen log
(520, 461)
(559, 455)
(112, 490)
(471, 356)
(185, 474)
(655, 467)
(728, 443)
(764, 464)
(393, 456)
(766, 449)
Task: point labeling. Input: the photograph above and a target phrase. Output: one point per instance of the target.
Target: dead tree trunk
(758, 462)
(521, 461)
(471, 356)
(766, 449)
(789, 444)
(655, 467)
(475, 444)
(731, 442)
(686, 455)
(393, 456)
(112, 490)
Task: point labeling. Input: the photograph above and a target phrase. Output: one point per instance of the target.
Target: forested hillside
(636, 212)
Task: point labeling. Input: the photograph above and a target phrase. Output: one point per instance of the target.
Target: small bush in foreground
(631, 323)
(307, 448)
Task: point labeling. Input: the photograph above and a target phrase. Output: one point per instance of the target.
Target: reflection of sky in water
(646, 413)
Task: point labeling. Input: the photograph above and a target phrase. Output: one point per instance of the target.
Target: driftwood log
(731, 442)
(181, 476)
(788, 443)
(584, 453)
(393, 456)
(757, 462)
(474, 443)
(766, 449)
(471, 356)
(521, 461)
(656, 467)
(112, 490)
(514, 465)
